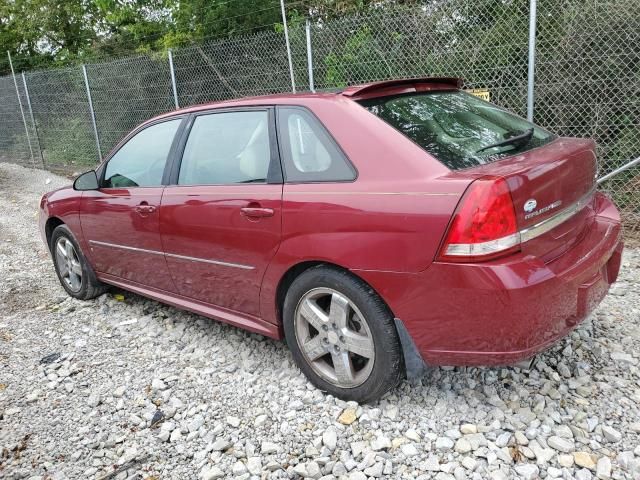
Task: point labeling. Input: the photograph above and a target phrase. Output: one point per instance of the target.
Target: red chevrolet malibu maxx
(376, 229)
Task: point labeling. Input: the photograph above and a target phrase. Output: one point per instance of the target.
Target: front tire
(342, 335)
(74, 272)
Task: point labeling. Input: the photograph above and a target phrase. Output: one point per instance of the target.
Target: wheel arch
(51, 224)
(289, 277)
(294, 271)
(414, 365)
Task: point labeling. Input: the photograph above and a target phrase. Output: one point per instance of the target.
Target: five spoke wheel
(334, 337)
(68, 264)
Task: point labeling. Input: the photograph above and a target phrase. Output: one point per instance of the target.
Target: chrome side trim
(124, 247)
(214, 262)
(172, 255)
(338, 192)
(550, 223)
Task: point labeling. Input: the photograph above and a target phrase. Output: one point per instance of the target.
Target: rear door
(121, 219)
(220, 218)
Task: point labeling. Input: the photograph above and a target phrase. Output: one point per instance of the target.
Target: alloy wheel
(334, 337)
(68, 264)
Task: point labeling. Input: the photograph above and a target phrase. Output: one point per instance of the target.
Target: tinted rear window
(457, 128)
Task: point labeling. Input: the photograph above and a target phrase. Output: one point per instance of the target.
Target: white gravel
(134, 389)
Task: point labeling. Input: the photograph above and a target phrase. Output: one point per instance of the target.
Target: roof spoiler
(407, 85)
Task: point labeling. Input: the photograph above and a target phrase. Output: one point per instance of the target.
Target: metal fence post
(532, 58)
(24, 120)
(286, 39)
(307, 28)
(173, 80)
(618, 170)
(33, 120)
(93, 114)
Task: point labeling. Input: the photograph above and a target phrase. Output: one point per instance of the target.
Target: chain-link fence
(127, 92)
(62, 118)
(14, 143)
(487, 49)
(587, 77)
(238, 67)
(588, 85)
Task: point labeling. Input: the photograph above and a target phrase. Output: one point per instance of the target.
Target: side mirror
(86, 181)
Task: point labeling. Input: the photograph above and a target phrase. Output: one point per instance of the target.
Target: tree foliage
(45, 33)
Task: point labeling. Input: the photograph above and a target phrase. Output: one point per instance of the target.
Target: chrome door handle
(257, 212)
(145, 209)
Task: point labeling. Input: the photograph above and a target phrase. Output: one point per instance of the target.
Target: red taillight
(484, 226)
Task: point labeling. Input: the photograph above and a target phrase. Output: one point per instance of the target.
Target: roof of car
(356, 92)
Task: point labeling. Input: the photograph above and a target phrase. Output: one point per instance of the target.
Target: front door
(221, 218)
(121, 220)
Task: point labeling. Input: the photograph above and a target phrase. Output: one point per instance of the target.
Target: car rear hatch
(508, 160)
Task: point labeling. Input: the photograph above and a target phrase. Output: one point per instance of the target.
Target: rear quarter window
(458, 129)
(309, 153)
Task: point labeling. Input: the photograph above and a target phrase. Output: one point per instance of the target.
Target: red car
(376, 229)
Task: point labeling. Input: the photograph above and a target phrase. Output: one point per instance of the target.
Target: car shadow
(506, 387)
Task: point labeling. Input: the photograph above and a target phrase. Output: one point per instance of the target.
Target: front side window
(309, 153)
(227, 148)
(140, 162)
(457, 128)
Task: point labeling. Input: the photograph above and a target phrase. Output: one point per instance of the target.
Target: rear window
(457, 128)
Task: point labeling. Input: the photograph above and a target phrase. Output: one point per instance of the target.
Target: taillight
(484, 225)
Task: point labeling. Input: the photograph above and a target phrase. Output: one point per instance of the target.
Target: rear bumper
(504, 311)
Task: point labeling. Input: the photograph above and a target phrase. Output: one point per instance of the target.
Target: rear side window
(140, 162)
(309, 153)
(457, 128)
(227, 148)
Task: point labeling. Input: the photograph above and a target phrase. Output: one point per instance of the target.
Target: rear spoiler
(397, 87)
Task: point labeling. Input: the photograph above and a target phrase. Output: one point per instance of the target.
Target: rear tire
(74, 271)
(342, 335)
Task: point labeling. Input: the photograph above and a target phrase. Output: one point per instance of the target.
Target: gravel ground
(124, 387)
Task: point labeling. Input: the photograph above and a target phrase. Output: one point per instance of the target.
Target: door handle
(257, 212)
(145, 208)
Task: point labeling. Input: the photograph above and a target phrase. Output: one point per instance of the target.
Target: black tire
(90, 287)
(388, 367)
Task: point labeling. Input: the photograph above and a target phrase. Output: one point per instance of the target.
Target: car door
(120, 220)
(220, 216)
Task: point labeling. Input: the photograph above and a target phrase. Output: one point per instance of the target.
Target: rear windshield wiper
(518, 139)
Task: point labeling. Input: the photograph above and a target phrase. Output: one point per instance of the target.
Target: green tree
(44, 32)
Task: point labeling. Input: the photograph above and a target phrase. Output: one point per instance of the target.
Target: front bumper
(42, 218)
(504, 311)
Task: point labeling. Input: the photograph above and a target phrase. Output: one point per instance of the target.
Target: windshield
(457, 128)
